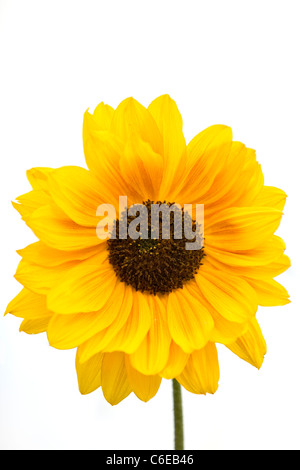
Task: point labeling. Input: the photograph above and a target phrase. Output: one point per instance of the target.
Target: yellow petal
(271, 197)
(201, 374)
(130, 336)
(189, 321)
(114, 380)
(265, 253)
(99, 341)
(29, 202)
(230, 176)
(41, 279)
(68, 331)
(176, 362)
(232, 297)
(142, 168)
(78, 193)
(152, 355)
(43, 255)
(250, 347)
(252, 186)
(100, 120)
(169, 122)
(270, 270)
(225, 331)
(33, 326)
(103, 151)
(241, 228)
(38, 177)
(207, 154)
(130, 116)
(54, 228)
(237, 184)
(273, 269)
(269, 292)
(103, 115)
(89, 373)
(143, 386)
(28, 305)
(261, 271)
(87, 288)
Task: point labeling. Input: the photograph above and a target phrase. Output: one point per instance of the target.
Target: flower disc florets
(159, 265)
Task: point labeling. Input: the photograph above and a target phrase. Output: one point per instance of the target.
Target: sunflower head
(148, 307)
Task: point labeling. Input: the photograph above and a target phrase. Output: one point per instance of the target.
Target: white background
(229, 62)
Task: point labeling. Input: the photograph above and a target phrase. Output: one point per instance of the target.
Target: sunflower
(142, 311)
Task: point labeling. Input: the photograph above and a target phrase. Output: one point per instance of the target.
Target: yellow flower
(140, 312)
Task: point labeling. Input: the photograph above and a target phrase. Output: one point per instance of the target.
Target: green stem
(178, 416)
